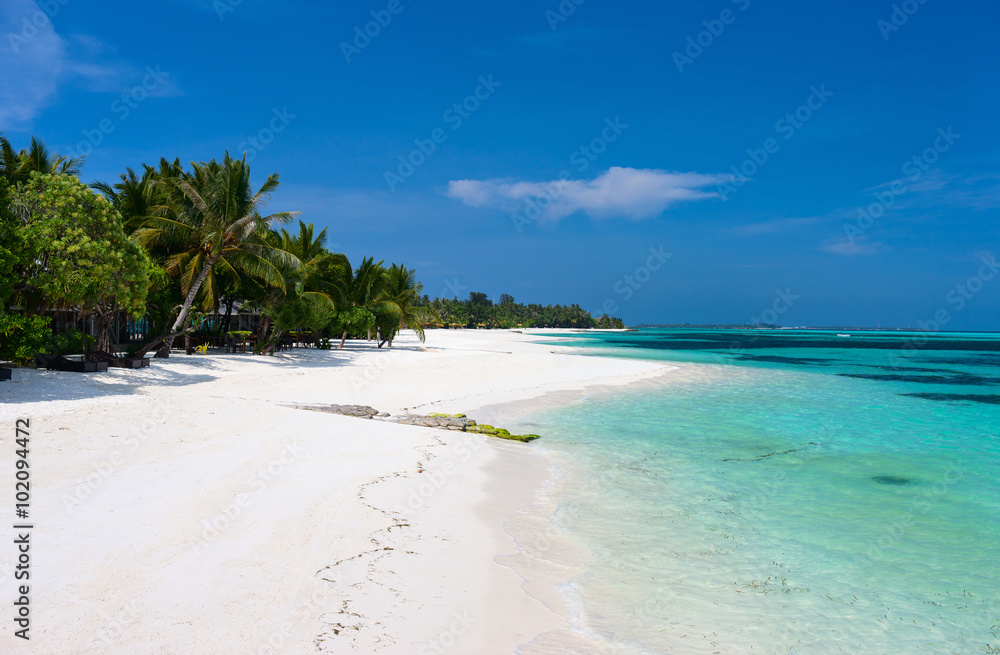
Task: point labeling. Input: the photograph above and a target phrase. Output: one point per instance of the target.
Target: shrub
(71, 342)
(23, 336)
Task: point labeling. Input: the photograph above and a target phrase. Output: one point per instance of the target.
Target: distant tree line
(479, 311)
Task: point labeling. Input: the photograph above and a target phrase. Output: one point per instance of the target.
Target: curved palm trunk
(343, 340)
(189, 301)
(262, 329)
(153, 344)
(176, 330)
(273, 342)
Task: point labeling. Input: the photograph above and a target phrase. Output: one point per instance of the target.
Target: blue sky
(815, 163)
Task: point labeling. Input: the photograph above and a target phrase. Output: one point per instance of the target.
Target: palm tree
(308, 296)
(136, 196)
(8, 159)
(403, 290)
(18, 166)
(361, 291)
(310, 249)
(212, 219)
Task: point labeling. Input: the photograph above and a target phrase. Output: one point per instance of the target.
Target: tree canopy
(74, 249)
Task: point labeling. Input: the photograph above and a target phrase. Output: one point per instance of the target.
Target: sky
(723, 161)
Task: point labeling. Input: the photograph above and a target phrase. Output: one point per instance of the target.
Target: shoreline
(242, 513)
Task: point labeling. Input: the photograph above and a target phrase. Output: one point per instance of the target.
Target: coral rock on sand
(360, 411)
(456, 422)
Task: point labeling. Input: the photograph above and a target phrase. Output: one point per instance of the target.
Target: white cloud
(932, 180)
(35, 60)
(852, 247)
(784, 225)
(31, 61)
(629, 192)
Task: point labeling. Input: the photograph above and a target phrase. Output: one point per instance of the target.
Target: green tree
(9, 244)
(17, 167)
(402, 290)
(212, 221)
(75, 253)
(306, 302)
(135, 196)
(359, 296)
(20, 336)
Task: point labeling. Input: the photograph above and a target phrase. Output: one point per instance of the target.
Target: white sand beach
(190, 508)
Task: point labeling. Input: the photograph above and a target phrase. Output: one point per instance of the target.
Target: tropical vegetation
(479, 311)
(177, 252)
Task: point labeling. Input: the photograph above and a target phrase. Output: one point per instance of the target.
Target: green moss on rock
(501, 433)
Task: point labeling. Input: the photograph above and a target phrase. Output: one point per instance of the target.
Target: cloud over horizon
(629, 192)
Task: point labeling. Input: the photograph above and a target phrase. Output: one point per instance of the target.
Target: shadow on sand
(35, 385)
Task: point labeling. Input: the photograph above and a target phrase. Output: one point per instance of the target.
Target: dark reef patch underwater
(957, 378)
(986, 398)
(893, 480)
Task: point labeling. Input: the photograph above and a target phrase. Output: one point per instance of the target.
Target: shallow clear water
(797, 492)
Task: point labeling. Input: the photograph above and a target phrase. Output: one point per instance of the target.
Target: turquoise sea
(792, 491)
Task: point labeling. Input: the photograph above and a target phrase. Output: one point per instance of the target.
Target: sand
(191, 508)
